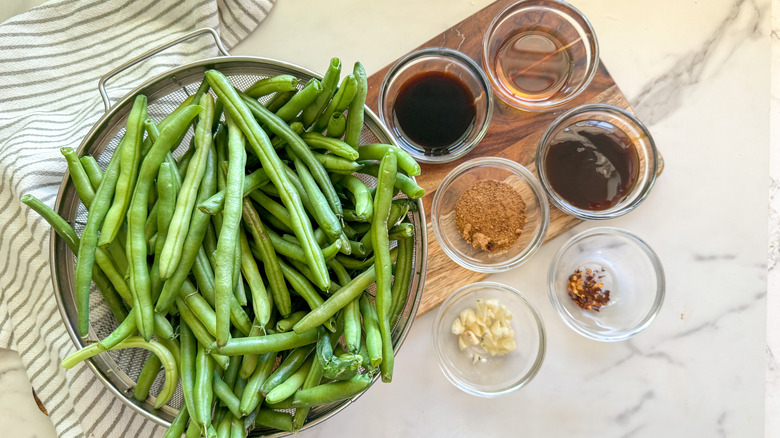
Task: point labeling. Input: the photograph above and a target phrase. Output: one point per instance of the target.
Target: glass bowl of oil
(540, 54)
(597, 161)
(436, 103)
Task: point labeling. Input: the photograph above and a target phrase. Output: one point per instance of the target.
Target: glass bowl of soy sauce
(597, 161)
(437, 103)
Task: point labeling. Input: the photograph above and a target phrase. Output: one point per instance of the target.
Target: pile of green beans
(245, 264)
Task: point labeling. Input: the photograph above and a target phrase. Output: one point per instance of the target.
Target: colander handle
(139, 58)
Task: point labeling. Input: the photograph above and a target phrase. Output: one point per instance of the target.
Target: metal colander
(118, 370)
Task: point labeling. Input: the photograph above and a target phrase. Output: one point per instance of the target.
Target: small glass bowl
(459, 180)
(442, 60)
(555, 49)
(629, 269)
(601, 116)
(490, 376)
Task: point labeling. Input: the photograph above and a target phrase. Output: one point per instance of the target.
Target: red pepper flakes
(586, 290)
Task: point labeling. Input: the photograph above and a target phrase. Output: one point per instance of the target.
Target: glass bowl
(540, 54)
(490, 376)
(603, 120)
(463, 177)
(626, 266)
(452, 63)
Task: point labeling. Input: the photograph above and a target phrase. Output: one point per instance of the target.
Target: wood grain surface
(513, 134)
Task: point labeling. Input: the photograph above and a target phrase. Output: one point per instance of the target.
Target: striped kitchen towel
(51, 58)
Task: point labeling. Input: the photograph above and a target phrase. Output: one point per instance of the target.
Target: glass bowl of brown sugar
(490, 214)
(607, 284)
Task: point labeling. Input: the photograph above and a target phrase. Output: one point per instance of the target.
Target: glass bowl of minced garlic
(489, 339)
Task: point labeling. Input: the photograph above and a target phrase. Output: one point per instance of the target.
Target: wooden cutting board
(513, 134)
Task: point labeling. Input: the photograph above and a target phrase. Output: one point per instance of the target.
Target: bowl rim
(644, 191)
(572, 12)
(660, 292)
(539, 193)
(461, 58)
(462, 293)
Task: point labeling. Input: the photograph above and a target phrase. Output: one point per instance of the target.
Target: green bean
(334, 367)
(230, 375)
(249, 363)
(352, 327)
(312, 379)
(401, 231)
(280, 142)
(320, 210)
(237, 429)
(179, 424)
(171, 253)
(273, 271)
(339, 102)
(274, 420)
(167, 359)
(398, 210)
(130, 157)
(403, 273)
(286, 324)
(199, 307)
(189, 348)
(167, 189)
(273, 84)
(199, 331)
(376, 151)
(382, 262)
(194, 430)
(288, 387)
(337, 301)
(261, 303)
(203, 396)
(65, 231)
(364, 205)
(228, 235)
(287, 368)
(183, 162)
(145, 379)
(192, 243)
(303, 287)
(402, 182)
(371, 325)
(329, 82)
(88, 242)
(264, 344)
(356, 107)
(297, 145)
(274, 208)
(261, 146)
(79, 176)
(93, 170)
(306, 272)
(337, 125)
(136, 217)
(223, 392)
(126, 329)
(332, 392)
(279, 99)
(335, 164)
(250, 399)
(339, 148)
(254, 180)
(300, 100)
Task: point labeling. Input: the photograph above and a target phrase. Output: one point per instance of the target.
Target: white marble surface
(698, 74)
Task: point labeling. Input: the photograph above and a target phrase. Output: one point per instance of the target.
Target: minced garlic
(487, 326)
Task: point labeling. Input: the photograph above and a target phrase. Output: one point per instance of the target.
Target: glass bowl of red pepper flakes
(606, 283)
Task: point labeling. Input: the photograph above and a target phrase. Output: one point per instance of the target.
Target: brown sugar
(490, 215)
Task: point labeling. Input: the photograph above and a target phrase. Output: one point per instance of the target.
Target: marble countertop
(698, 74)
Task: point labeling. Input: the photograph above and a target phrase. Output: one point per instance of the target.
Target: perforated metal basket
(119, 369)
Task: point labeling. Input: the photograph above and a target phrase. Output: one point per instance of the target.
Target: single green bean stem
(130, 157)
(182, 214)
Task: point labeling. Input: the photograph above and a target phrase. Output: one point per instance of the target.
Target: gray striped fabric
(51, 58)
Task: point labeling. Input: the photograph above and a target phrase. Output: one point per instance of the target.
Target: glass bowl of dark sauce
(597, 161)
(437, 104)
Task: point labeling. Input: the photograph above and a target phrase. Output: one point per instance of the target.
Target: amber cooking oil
(533, 65)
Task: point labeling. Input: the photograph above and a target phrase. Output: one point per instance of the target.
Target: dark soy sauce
(592, 165)
(434, 110)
